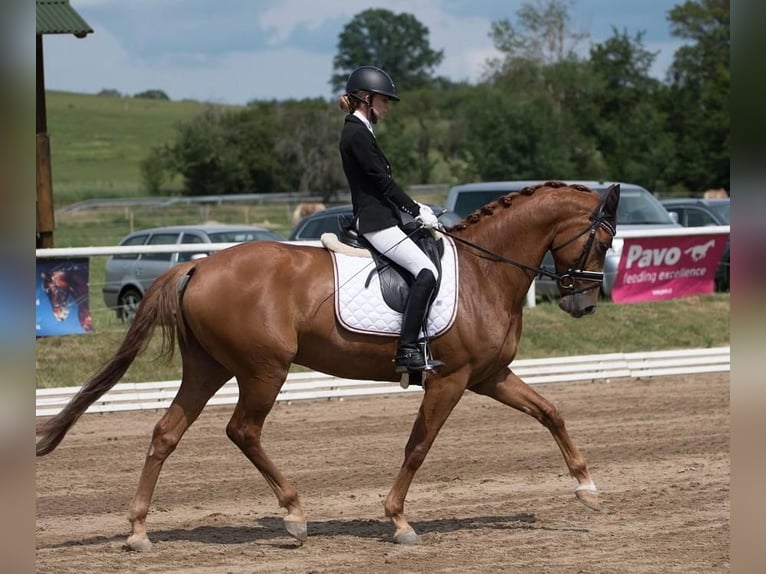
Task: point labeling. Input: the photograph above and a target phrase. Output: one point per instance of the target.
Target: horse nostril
(589, 310)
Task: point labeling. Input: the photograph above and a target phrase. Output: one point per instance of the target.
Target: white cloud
(176, 62)
(99, 62)
(465, 41)
(287, 15)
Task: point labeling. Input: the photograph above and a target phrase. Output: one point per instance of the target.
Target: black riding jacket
(376, 198)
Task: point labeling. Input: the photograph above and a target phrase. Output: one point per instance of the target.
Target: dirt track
(492, 496)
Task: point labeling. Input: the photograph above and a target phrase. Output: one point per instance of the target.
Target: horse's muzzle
(61, 313)
(577, 306)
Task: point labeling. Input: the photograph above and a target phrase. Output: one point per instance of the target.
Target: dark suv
(311, 227)
(698, 212)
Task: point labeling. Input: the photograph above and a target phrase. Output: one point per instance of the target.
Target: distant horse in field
(252, 310)
(66, 287)
(304, 209)
(715, 194)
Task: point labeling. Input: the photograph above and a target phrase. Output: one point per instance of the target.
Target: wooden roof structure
(53, 17)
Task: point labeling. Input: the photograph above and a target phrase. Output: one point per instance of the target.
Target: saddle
(394, 280)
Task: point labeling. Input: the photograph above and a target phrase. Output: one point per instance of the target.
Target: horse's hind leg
(510, 390)
(202, 377)
(257, 395)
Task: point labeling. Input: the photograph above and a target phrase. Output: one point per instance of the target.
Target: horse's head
(579, 249)
(57, 289)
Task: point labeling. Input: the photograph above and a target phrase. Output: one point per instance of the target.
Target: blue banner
(61, 299)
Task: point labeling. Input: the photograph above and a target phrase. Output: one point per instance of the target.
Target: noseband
(575, 273)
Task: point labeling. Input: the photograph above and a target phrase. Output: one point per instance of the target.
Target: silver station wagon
(128, 276)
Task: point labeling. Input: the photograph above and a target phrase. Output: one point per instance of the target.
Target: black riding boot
(409, 354)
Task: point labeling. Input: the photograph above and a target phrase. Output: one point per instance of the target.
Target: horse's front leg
(441, 396)
(510, 390)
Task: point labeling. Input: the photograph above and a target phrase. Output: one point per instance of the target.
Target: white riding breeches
(394, 244)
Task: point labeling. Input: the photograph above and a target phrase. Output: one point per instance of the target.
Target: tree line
(546, 109)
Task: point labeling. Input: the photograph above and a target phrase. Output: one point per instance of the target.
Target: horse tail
(160, 306)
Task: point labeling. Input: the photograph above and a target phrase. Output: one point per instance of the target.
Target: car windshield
(722, 211)
(239, 236)
(468, 202)
(639, 207)
(636, 207)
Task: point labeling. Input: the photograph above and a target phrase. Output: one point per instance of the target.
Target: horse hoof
(296, 528)
(408, 538)
(139, 544)
(588, 495)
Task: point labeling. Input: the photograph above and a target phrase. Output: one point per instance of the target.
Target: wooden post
(45, 222)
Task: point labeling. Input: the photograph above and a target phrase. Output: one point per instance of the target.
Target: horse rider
(378, 203)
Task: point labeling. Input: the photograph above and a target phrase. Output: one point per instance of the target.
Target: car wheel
(127, 304)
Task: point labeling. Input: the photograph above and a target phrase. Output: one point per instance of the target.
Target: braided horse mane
(506, 200)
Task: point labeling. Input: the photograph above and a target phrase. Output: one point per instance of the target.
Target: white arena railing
(312, 385)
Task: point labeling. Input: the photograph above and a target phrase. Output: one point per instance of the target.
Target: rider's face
(381, 105)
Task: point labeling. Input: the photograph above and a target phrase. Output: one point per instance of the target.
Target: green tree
(229, 152)
(543, 35)
(154, 170)
(424, 137)
(540, 66)
(397, 43)
(308, 141)
(627, 121)
(698, 102)
(152, 95)
(509, 138)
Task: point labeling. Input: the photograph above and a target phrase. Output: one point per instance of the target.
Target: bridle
(576, 272)
(568, 279)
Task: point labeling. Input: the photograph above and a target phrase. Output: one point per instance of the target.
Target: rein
(567, 279)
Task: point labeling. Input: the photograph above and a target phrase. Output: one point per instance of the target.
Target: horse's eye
(603, 246)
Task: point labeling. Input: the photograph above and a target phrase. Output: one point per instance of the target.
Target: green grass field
(98, 142)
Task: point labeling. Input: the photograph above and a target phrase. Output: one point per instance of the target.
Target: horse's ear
(611, 201)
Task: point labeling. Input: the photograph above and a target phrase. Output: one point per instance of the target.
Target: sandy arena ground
(492, 496)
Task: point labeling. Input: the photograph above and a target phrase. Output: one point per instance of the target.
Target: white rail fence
(530, 300)
(312, 386)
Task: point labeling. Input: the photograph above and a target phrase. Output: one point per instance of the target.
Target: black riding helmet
(373, 80)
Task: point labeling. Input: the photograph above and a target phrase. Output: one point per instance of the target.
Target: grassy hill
(98, 142)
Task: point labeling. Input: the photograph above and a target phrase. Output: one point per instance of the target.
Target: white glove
(427, 218)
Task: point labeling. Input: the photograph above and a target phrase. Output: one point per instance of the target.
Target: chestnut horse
(252, 310)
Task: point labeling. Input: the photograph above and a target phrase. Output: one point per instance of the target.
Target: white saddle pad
(363, 310)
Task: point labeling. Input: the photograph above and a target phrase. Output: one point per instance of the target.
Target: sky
(236, 51)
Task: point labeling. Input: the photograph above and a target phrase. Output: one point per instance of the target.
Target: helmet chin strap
(371, 111)
(371, 115)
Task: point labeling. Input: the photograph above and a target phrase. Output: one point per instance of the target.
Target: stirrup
(414, 361)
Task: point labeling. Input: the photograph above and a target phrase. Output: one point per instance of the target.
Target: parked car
(313, 226)
(638, 209)
(697, 212)
(129, 276)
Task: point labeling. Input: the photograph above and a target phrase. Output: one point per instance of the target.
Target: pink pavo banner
(657, 268)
